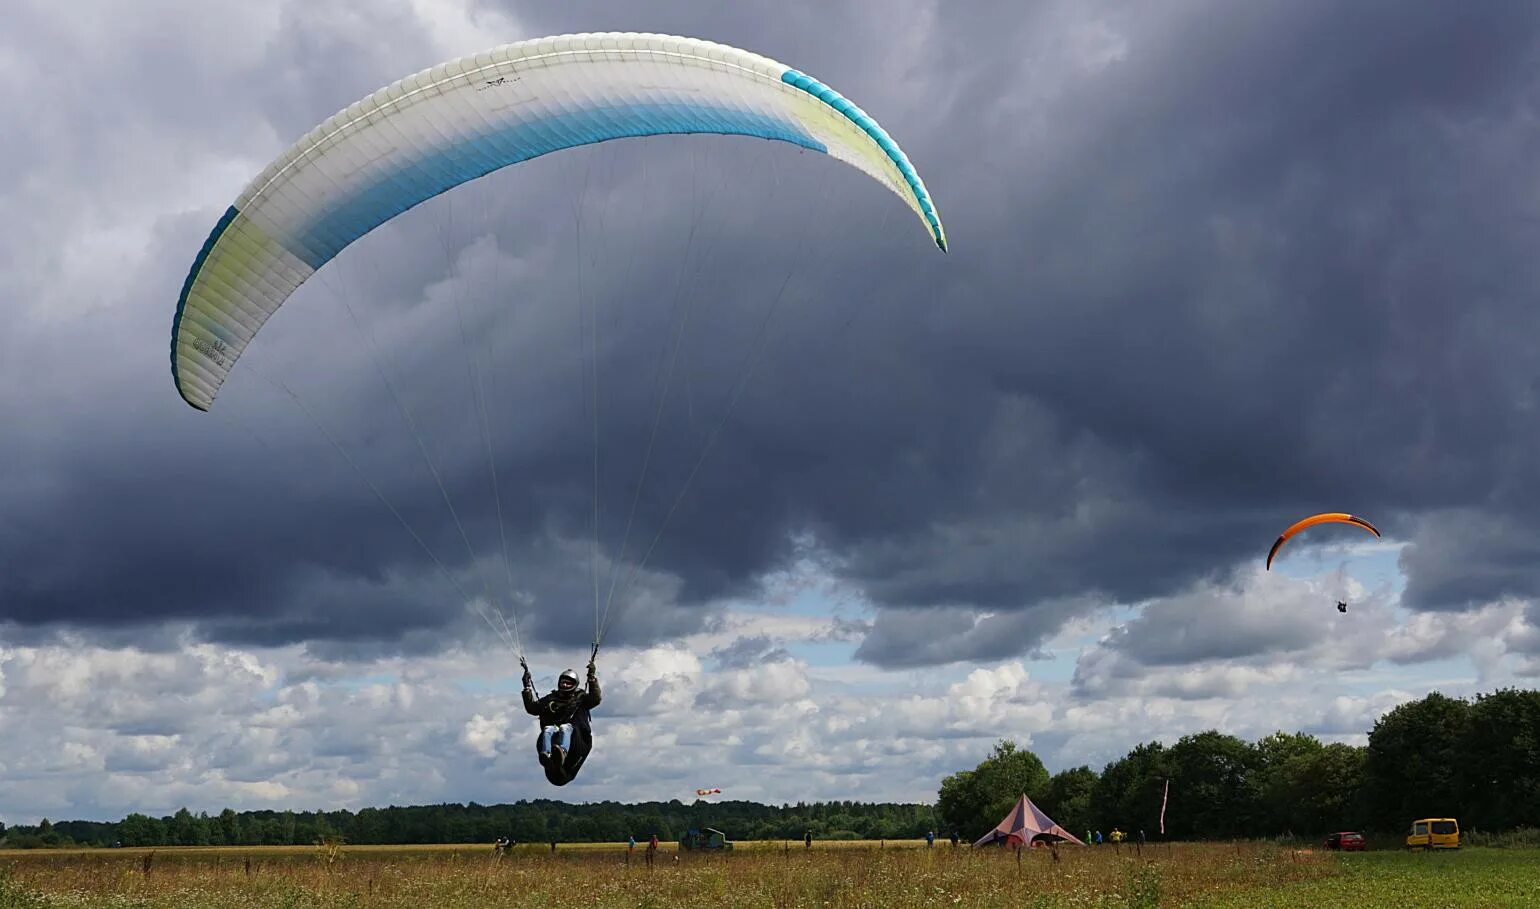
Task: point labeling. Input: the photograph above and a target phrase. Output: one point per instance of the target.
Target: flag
(1165, 795)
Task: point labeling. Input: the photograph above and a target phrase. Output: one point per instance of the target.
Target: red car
(1346, 841)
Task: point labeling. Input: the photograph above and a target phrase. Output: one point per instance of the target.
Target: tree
(367, 827)
(187, 830)
(1331, 788)
(973, 801)
(1281, 747)
(1285, 758)
(229, 828)
(1413, 764)
(1500, 762)
(1068, 799)
(141, 830)
(1216, 776)
(1128, 792)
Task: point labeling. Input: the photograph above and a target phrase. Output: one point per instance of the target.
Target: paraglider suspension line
(321, 426)
(761, 345)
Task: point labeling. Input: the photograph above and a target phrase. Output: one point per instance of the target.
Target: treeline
(539, 821)
(1478, 761)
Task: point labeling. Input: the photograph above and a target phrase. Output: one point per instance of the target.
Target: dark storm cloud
(748, 652)
(1216, 623)
(1210, 268)
(940, 634)
(1461, 559)
(1528, 639)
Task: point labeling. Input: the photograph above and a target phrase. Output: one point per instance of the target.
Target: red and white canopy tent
(1026, 825)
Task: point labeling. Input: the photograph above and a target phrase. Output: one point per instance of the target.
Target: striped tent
(1026, 825)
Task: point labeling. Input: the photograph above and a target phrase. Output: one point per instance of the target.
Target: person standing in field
(652, 849)
(930, 839)
(807, 840)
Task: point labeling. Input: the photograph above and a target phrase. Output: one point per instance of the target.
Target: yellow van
(1434, 833)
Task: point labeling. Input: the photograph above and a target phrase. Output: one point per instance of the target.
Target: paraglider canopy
(465, 118)
(1331, 517)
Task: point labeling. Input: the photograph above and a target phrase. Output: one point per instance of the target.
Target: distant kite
(1331, 517)
(703, 792)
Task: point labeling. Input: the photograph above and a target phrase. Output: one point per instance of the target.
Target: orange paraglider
(1331, 517)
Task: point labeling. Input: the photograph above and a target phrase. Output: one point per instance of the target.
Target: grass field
(860, 874)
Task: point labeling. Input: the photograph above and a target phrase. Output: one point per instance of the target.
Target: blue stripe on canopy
(879, 135)
(187, 285)
(447, 167)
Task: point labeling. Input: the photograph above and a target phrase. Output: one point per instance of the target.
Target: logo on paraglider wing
(494, 83)
(213, 349)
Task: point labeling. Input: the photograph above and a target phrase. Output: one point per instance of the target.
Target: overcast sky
(1213, 267)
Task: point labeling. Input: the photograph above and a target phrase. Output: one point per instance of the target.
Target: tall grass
(1522, 838)
(771, 875)
(1475, 878)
